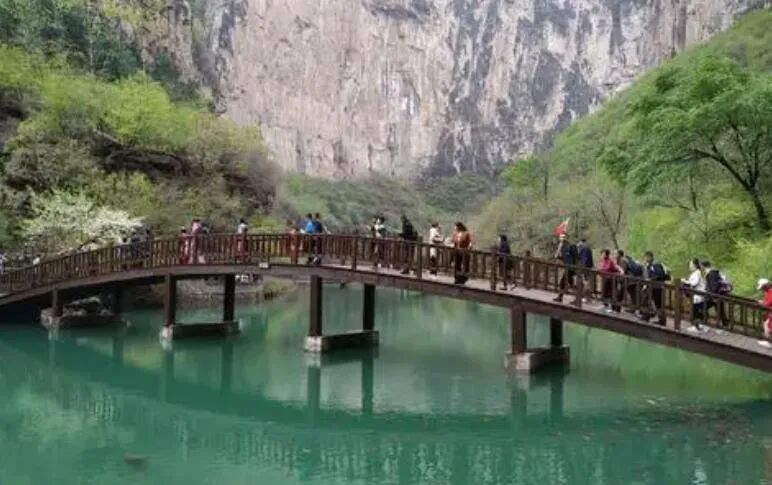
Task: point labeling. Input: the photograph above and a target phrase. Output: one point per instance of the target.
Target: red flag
(562, 228)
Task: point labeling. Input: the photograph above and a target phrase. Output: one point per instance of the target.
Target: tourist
(462, 243)
(566, 253)
(504, 251)
(656, 273)
(586, 260)
(183, 246)
(696, 282)
(632, 269)
(409, 236)
(312, 242)
(196, 251)
(309, 227)
(435, 239)
(379, 228)
(293, 240)
(241, 240)
(378, 232)
(609, 267)
(716, 283)
(319, 227)
(765, 286)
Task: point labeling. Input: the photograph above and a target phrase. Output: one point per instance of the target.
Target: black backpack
(634, 268)
(659, 272)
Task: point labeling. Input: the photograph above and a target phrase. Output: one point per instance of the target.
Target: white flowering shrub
(65, 221)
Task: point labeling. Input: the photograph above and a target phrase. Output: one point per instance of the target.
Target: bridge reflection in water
(203, 416)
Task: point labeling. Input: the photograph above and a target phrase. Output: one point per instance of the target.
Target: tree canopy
(705, 117)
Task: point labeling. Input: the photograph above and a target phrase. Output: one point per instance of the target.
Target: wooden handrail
(740, 314)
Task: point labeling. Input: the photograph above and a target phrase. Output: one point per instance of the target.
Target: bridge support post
(556, 332)
(57, 304)
(318, 342)
(170, 301)
(229, 299)
(368, 308)
(116, 303)
(173, 330)
(522, 359)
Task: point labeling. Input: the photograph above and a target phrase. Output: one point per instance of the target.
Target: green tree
(531, 173)
(707, 116)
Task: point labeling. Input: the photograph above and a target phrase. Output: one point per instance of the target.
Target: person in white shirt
(696, 281)
(242, 227)
(436, 239)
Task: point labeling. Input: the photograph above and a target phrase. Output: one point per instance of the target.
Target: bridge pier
(522, 359)
(174, 330)
(318, 342)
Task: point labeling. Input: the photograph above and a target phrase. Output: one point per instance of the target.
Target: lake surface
(432, 405)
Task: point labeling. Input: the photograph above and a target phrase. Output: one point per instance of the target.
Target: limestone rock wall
(346, 87)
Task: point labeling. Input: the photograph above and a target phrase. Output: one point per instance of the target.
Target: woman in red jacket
(609, 267)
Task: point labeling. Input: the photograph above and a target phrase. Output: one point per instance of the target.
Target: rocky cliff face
(347, 87)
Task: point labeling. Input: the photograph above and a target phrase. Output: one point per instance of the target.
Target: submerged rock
(87, 312)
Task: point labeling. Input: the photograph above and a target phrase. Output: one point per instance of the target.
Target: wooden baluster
(419, 247)
(527, 274)
(678, 307)
(744, 318)
(494, 270)
(355, 242)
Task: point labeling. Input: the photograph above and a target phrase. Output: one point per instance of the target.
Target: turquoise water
(431, 405)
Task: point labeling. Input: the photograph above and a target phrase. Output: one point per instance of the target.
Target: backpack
(660, 272)
(634, 268)
(725, 287)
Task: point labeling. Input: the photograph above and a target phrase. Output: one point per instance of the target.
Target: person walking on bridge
(765, 286)
(656, 274)
(241, 240)
(586, 261)
(609, 268)
(696, 282)
(504, 258)
(716, 283)
(435, 239)
(462, 243)
(409, 236)
(567, 254)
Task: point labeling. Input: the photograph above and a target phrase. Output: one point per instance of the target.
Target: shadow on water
(432, 405)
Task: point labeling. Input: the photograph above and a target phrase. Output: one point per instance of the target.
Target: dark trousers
(505, 267)
(566, 280)
(698, 313)
(433, 265)
(720, 311)
(461, 267)
(655, 304)
(608, 294)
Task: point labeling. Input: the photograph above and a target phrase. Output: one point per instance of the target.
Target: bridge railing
(657, 300)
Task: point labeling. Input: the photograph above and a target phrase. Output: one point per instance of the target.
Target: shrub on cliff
(77, 131)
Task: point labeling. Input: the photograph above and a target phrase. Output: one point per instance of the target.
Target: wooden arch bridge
(394, 263)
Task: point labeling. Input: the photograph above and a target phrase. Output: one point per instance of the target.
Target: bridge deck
(711, 334)
(352, 258)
